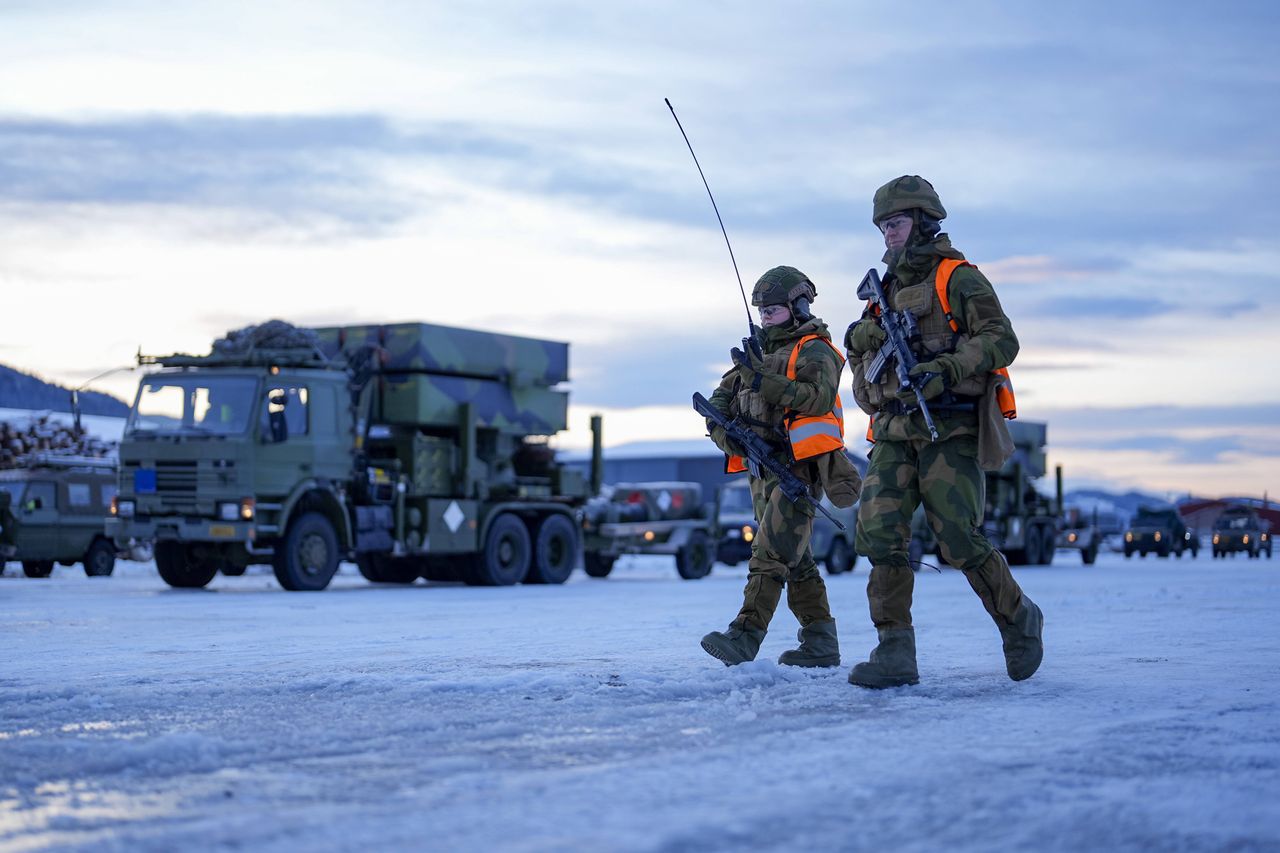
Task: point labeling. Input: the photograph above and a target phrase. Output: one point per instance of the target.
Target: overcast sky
(171, 170)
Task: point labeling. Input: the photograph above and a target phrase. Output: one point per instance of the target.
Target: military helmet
(782, 286)
(906, 193)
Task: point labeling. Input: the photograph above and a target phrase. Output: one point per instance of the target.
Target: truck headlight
(1215, 539)
(1128, 536)
(1157, 535)
(1246, 539)
(246, 509)
(747, 533)
(122, 509)
(228, 511)
(1071, 537)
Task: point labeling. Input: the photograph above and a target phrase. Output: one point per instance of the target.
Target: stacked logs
(19, 445)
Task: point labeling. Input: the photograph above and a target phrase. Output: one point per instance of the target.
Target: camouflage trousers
(781, 559)
(946, 478)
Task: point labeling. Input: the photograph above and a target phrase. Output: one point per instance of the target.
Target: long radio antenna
(750, 323)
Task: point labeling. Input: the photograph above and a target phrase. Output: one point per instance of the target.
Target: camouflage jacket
(986, 340)
(812, 392)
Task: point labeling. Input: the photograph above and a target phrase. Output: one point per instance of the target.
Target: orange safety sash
(809, 435)
(1004, 390)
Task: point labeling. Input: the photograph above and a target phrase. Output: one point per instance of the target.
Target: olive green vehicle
(1240, 530)
(1160, 531)
(415, 450)
(650, 518)
(51, 511)
(829, 545)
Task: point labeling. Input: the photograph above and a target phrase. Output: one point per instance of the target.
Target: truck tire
(369, 567)
(841, 558)
(37, 568)
(694, 560)
(506, 555)
(179, 572)
(232, 570)
(1048, 545)
(597, 565)
(307, 558)
(1034, 545)
(100, 559)
(1090, 554)
(555, 550)
(401, 570)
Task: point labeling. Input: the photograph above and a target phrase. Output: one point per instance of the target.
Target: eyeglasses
(893, 222)
(771, 310)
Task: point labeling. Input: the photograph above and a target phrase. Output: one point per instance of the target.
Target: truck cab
(216, 459)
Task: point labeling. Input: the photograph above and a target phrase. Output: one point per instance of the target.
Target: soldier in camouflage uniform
(796, 378)
(906, 467)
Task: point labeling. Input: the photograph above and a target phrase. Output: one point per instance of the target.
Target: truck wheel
(307, 558)
(555, 550)
(1034, 545)
(177, 571)
(597, 565)
(840, 558)
(369, 567)
(1048, 545)
(1090, 554)
(232, 570)
(694, 560)
(100, 559)
(506, 555)
(37, 568)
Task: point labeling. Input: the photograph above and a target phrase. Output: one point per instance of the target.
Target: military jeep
(1239, 530)
(56, 508)
(1160, 531)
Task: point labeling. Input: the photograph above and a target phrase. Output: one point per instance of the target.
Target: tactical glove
(864, 336)
(722, 441)
(936, 375)
(748, 368)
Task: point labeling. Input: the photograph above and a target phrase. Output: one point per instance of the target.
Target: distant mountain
(20, 390)
(1126, 503)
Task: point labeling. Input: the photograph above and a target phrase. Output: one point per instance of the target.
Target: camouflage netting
(273, 334)
(19, 446)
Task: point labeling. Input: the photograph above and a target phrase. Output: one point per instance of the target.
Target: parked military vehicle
(55, 507)
(416, 450)
(650, 518)
(1078, 530)
(1240, 530)
(830, 546)
(1161, 531)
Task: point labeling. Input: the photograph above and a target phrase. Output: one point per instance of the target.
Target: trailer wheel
(307, 558)
(597, 565)
(555, 550)
(841, 558)
(506, 555)
(37, 568)
(100, 559)
(179, 572)
(694, 560)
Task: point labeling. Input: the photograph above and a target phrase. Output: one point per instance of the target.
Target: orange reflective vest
(1004, 389)
(808, 435)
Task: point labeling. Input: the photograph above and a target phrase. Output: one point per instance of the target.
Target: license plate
(222, 530)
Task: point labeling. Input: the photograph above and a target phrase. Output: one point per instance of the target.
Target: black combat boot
(892, 663)
(818, 646)
(734, 645)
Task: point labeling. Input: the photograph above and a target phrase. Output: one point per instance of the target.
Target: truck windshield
(14, 488)
(735, 499)
(197, 405)
(1234, 522)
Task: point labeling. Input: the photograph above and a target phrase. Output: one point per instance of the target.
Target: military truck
(1240, 530)
(1161, 531)
(415, 450)
(650, 518)
(55, 507)
(830, 545)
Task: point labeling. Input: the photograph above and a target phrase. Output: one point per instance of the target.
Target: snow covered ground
(586, 717)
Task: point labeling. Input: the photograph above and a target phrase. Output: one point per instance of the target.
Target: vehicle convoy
(416, 450)
(51, 509)
(1240, 530)
(1161, 531)
(650, 518)
(829, 545)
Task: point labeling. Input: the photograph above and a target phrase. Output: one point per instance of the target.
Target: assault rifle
(759, 455)
(900, 331)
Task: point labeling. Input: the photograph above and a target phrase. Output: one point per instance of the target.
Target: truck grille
(177, 478)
